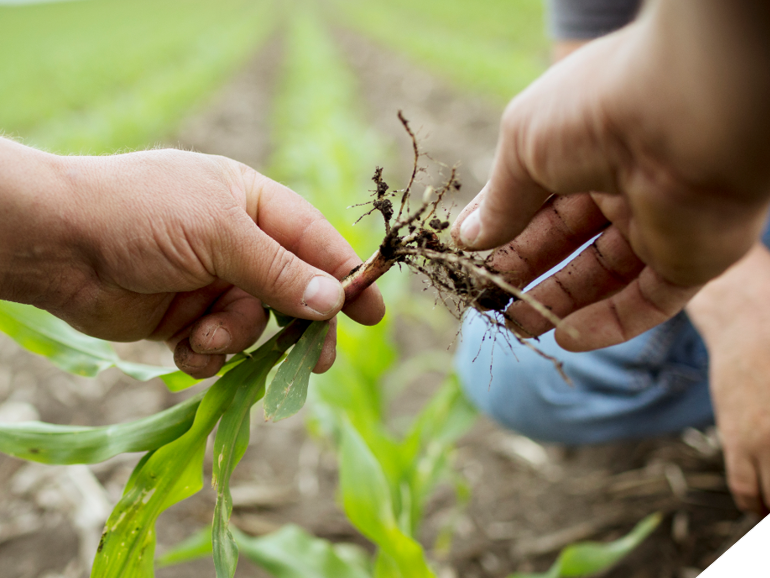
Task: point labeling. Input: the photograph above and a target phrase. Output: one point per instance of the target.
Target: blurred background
(307, 92)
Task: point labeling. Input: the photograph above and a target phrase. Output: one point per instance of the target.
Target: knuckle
(510, 119)
(742, 487)
(281, 272)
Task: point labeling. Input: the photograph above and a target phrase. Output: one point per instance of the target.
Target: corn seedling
(175, 440)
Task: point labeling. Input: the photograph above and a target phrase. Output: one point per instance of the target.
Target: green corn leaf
(178, 381)
(288, 391)
(446, 418)
(428, 446)
(287, 553)
(280, 318)
(137, 468)
(195, 547)
(232, 440)
(291, 552)
(61, 444)
(386, 567)
(589, 558)
(40, 332)
(173, 473)
(230, 444)
(367, 501)
(227, 453)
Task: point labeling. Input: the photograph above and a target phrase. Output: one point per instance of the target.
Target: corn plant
(175, 439)
(386, 478)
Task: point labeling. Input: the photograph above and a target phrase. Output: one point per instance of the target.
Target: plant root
(462, 280)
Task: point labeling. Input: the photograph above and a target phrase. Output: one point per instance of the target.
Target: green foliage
(326, 153)
(233, 434)
(590, 558)
(230, 444)
(495, 48)
(288, 390)
(171, 474)
(61, 444)
(175, 471)
(42, 333)
(366, 497)
(287, 553)
(192, 548)
(427, 448)
(98, 76)
(291, 552)
(75, 85)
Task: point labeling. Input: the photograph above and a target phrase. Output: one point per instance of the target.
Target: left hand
(732, 314)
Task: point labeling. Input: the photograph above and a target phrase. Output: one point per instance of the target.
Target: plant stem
(367, 273)
(354, 284)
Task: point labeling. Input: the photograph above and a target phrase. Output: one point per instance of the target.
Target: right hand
(732, 315)
(659, 132)
(169, 245)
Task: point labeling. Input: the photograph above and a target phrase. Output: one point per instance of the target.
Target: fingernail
(186, 357)
(323, 295)
(219, 340)
(470, 229)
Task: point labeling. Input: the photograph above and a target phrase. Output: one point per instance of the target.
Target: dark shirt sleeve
(586, 19)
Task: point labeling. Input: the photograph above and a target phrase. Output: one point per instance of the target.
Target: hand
(665, 121)
(170, 245)
(732, 314)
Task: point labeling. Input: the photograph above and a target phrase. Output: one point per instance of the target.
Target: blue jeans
(654, 384)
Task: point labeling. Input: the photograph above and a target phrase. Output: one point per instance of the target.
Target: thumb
(253, 261)
(553, 140)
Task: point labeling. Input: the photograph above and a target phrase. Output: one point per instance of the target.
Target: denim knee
(654, 384)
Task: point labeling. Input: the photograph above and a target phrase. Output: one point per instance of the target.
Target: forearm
(36, 244)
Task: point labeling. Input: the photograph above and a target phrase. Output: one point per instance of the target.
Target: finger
(329, 349)
(509, 201)
(195, 364)
(600, 271)
(548, 144)
(185, 308)
(236, 321)
(289, 221)
(647, 301)
(558, 229)
(469, 208)
(250, 259)
(743, 480)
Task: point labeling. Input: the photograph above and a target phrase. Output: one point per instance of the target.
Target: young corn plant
(383, 494)
(385, 479)
(175, 440)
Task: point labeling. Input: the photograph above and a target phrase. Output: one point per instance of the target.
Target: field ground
(528, 500)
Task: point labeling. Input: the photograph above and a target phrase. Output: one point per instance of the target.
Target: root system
(418, 238)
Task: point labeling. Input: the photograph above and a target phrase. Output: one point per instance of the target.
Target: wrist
(732, 310)
(38, 243)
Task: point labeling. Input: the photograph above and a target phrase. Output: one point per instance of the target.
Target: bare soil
(528, 500)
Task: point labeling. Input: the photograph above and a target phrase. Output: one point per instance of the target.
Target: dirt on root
(529, 500)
